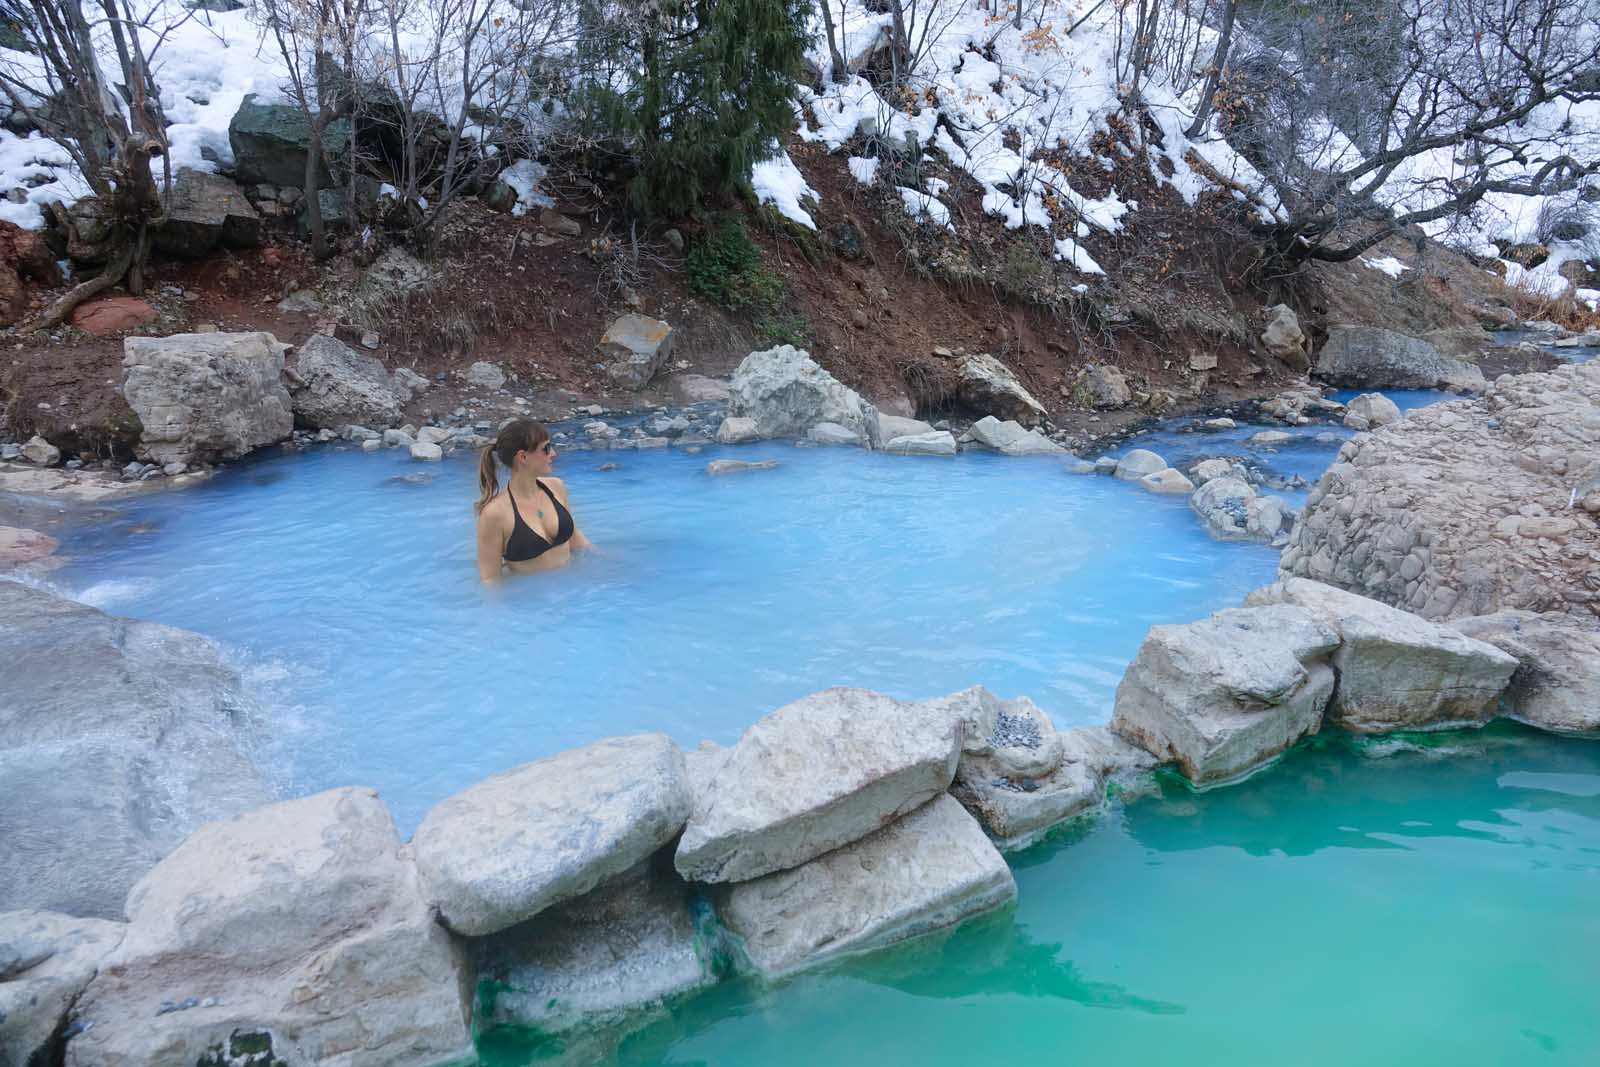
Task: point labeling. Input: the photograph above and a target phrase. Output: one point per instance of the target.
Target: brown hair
(518, 435)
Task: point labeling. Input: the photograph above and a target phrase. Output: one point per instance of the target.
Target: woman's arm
(490, 546)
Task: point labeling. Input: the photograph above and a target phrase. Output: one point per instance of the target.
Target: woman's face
(542, 459)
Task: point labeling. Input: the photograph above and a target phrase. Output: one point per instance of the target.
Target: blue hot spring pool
(343, 583)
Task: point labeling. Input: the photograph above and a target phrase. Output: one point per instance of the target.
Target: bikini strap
(517, 514)
(548, 493)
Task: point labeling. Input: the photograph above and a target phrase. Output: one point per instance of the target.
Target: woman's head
(520, 442)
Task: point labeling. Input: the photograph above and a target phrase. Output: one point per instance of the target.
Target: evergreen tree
(694, 92)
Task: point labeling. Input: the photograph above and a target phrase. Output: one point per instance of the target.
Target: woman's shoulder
(557, 486)
(496, 509)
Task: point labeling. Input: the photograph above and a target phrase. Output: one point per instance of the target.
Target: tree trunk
(319, 243)
(1219, 62)
(839, 74)
(113, 273)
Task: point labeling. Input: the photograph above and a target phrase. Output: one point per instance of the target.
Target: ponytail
(518, 435)
(488, 484)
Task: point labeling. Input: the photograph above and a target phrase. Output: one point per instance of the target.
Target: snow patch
(1387, 264)
(777, 181)
(863, 169)
(523, 177)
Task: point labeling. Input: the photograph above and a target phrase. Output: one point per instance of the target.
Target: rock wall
(592, 888)
(1470, 507)
(120, 737)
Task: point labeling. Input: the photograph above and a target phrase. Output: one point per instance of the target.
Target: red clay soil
(537, 304)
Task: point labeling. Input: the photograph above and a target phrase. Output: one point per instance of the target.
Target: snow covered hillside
(1000, 103)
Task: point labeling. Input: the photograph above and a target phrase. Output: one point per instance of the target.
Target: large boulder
(1398, 671)
(333, 385)
(120, 738)
(272, 142)
(1010, 438)
(936, 443)
(634, 348)
(892, 426)
(983, 383)
(202, 397)
(46, 961)
(816, 774)
(928, 870)
(1370, 411)
(1013, 775)
(1556, 685)
(207, 211)
(1138, 463)
(618, 950)
(293, 934)
(503, 850)
(787, 393)
(1467, 508)
(1232, 510)
(1284, 339)
(1104, 386)
(1369, 357)
(1222, 696)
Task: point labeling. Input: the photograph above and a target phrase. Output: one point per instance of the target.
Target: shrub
(726, 267)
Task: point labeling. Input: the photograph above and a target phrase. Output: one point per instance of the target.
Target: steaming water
(1428, 904)
(344, 583)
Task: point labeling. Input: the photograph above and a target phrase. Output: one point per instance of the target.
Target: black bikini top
(524, 544)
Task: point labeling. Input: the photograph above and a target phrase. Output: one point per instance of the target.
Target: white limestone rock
(296, 931)
(120, 737)
(46, 960)
(333, 385)
(501, 851)
(41, 452)
(203, 397)
(1468, 507)
(1370, 411)
(1398, 671)
(1556, 685)
(1010, 438)
(1284, 338)
(928, 870)
(1208, 470)
(814, 775)
(892, 426)
(1013, 776)
(1168, 481)
(486, 375)
(1368, 357)
(1232, 510)
(1138, 463)
(427, 453)
(739, 466)
(787, 393)
(1222, 696)
(831, 433)
(635, 347)
(623, 948)
(937, 443)
(736, 430)
(985, 384)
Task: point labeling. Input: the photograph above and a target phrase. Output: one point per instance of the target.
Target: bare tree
(1214, 70)
(839, 73)
(317, 40)
(444, 66)
(63, 90)
(1377, 115)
